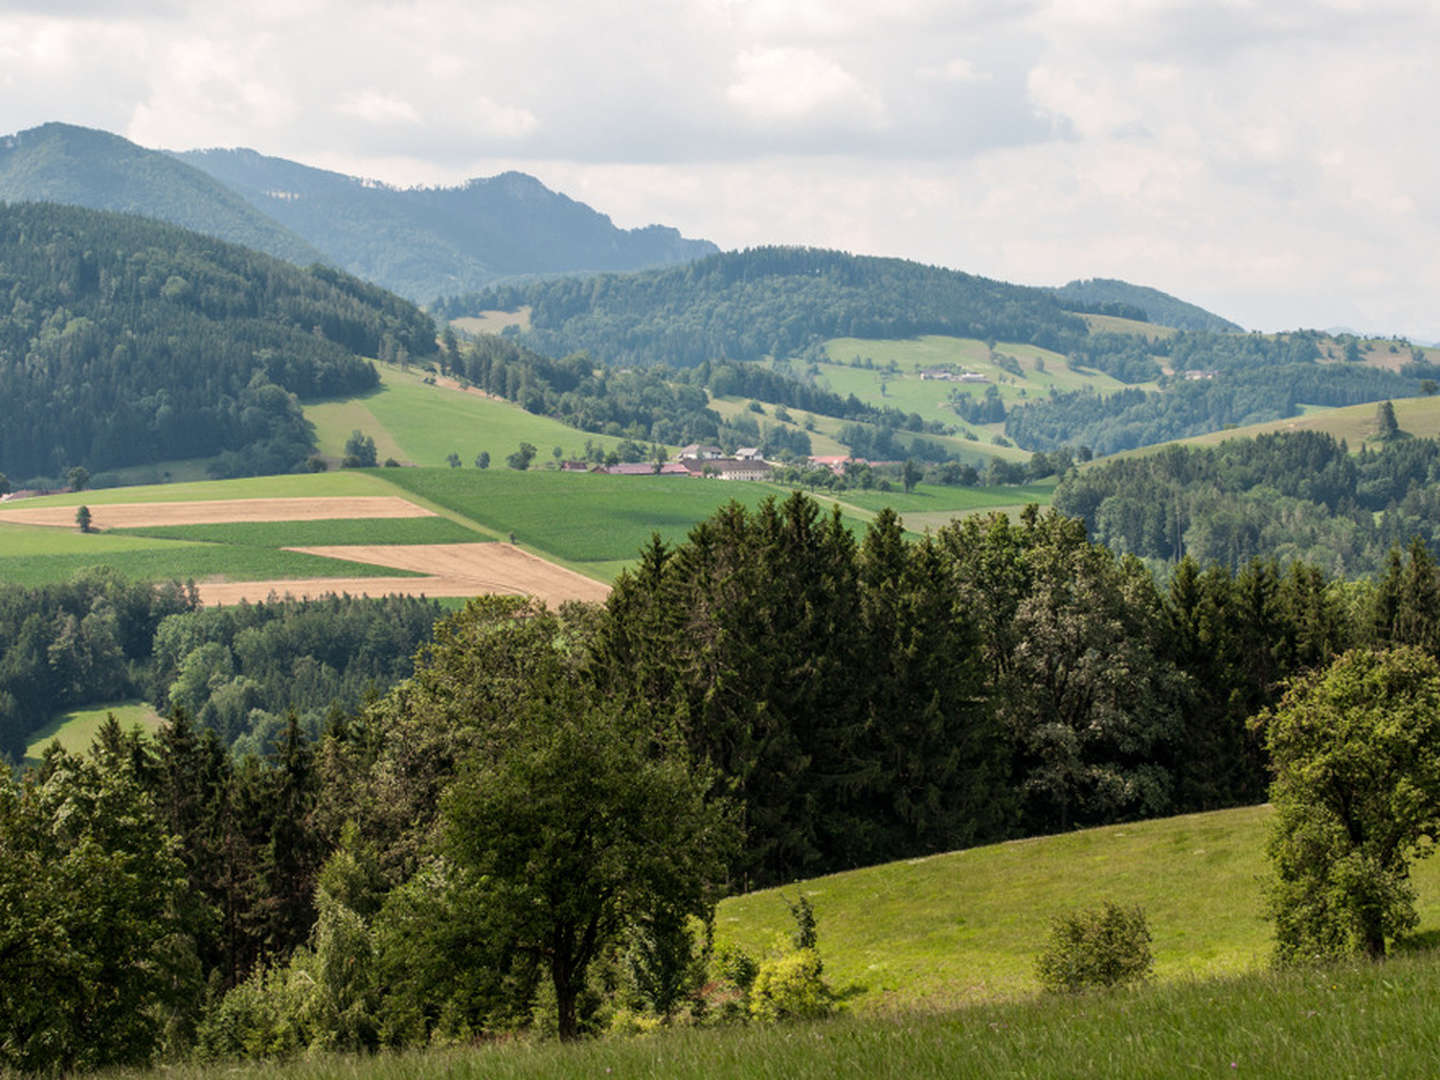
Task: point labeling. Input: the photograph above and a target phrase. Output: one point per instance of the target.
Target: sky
(1274, 161)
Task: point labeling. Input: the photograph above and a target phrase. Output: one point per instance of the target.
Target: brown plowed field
(220, 511)
(453, 569)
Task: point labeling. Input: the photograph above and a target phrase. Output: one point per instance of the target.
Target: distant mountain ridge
(427, 242)
(1158, 307)
(420, 242)
(80, 166)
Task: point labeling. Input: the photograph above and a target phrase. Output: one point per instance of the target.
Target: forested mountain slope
(428, 242)
(1098, 294)
(126, 341)
(770, 301)
(84, 167)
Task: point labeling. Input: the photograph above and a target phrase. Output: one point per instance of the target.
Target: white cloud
(790, 85)
(1272, 159)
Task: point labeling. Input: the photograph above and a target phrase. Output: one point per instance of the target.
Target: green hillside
(84, 167)
(964, 927)
(75, 730)
(422, 424)
(131, 342)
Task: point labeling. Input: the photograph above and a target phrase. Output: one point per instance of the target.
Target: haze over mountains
(419, 242)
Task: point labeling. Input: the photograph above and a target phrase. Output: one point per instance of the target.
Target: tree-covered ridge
(1245, 390)
(125, 341)
(1109, 296)
(769, 301)
(432, 241)
(83, 167)
(1295, 495)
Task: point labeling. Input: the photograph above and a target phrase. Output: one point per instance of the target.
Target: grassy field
(75, 730)
(964, 927)
(1113, 324)
(581, 518)
(1352, 1022)
(1420, 416)
(492, 322)
(167, 559)
(343, 482)
(425, 530)
(940, 497)
(423, 424)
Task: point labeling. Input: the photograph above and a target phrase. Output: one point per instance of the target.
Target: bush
(790, 988)
(1105, 946)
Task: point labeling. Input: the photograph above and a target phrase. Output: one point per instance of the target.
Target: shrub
(790, 988)
(1104, 946)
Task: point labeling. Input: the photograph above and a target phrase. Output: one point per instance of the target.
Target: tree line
(1292, 495)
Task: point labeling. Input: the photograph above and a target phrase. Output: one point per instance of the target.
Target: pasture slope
(933, 958)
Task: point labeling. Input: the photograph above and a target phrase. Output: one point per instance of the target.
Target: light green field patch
(493, 322)
(335, 421)
(342, 482)
(279, 534)
(1420, 416)
(821, 444)
(24, 540)
(1114, 324)
(424, 423)
(183, 561)
(76, 730)
(932, 497)
(582, 518)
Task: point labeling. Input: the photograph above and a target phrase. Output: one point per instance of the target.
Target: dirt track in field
(451, 569)
(220, 511)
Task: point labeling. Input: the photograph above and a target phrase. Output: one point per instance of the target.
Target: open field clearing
(492, 322)
(420, 423)
(581, 517)
(1419, 416)
(182, 561)
(961, 927)
(940, 497)
(1114, 324)
(442, 570)
(75, 730)
(139, 514)
(418, 530)
(1040, 370)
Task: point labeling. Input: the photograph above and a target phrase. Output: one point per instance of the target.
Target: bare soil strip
(221, 511)
(454, 569)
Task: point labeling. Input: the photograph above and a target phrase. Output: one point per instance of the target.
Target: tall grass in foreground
(1354, 1021)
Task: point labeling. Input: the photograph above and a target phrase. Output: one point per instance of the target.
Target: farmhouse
(698, 452)
(729, 468)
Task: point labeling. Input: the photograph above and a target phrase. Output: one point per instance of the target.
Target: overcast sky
(1275, 161)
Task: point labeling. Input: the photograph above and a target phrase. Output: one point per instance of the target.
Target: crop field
(581, 518)
(419, 530)
(215, 511)
(419, 423)
(76, 730)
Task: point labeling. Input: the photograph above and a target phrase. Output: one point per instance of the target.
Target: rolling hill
(1158, 307)
(81, 166)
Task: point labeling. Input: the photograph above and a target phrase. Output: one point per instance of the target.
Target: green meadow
(343, 482)
(183, 561)
(76, 730)
(415, 422)
(419, 530)
(580, 518)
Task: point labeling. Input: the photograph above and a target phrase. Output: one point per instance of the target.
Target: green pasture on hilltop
(1114, 324)
(277, 534)
(75, 730)
(420, 423)
(581, 517)
(1418, 416)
